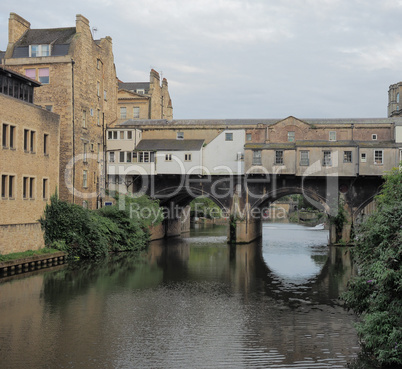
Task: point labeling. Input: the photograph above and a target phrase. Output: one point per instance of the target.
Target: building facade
(145, 100)
(29, 159)
(343, 147)
(79, 83)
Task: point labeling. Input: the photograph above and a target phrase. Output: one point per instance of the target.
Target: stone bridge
(245, 165)
(246, 198)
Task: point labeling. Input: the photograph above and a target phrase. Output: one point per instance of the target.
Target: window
(4, 135)
(397, 97)
(11, 184)
(239, 156)
(12, 135)
(378, 157)
(92, 147)
(121, 135)
(304, 158)
(332, 135)
(49, 107)
(8, 136)
(45, 143)
(128, 156)
(109, 135)
(248, 137)
(84, 119)
(123, 113)
(98, 88)
(32, 142)
(168, 157)
(43, 75)
(44, 189)
(257, 157)
(85, 179)
(31, 188)
(111, 157)
(26, 138)
(291, 136)
(144, 157)
(187, 157)
(31, 73)
(180, 135)
(25, 181)
(136, 112)
(99, 152)
(363, 157)
(115, 135)
(129, 135)
(374, 137)
(278, 157)
(98, 63)
(229, 136)
(39, 50)
(327, 158)
(140, 91)
(91, 111)
(121, 157)
(85, 156)
(98, 121)
(4, 180)
(7, 186)
(347, 156)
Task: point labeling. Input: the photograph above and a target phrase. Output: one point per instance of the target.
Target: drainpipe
(73, 114)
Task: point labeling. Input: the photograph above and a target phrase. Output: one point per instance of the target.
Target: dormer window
(39, 50)
(141, 91)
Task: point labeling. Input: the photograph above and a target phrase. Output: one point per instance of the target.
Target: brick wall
(20, 237)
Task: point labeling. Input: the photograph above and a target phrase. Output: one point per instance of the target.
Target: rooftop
(171, 145)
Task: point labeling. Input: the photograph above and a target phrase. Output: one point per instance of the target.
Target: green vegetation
(376, 293)
(94, 233)
(26, 254)
(205, 207)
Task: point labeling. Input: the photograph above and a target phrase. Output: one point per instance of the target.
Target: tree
(376, 293)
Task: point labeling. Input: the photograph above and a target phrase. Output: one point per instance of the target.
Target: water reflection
(185, 303)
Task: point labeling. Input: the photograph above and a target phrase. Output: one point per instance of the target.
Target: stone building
(321, 147)
(29, 159)
(79, 83)
(145, 100)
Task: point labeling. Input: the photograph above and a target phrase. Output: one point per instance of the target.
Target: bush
(92, 234)
(376, 294)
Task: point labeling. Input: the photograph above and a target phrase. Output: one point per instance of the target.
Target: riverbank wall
(20, 237)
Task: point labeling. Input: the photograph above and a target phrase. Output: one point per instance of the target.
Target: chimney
(154, 75)
(81, 24)
(17, 26)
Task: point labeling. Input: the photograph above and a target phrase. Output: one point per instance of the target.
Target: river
(193, 302)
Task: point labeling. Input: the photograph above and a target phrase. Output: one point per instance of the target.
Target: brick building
(145, 100)
(79, 83)
(29, 159)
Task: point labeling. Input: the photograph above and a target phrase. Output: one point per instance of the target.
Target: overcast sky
(246, 58)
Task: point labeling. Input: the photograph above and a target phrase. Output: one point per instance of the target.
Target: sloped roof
(54, 36)
(134, 86)
(171, 145)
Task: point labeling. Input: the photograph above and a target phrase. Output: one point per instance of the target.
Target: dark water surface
(187, 303)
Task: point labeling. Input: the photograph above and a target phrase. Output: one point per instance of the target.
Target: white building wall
(178, 163)
(398, 134)
(224, 157)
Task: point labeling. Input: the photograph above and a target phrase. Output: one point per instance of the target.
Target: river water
(193, 302)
